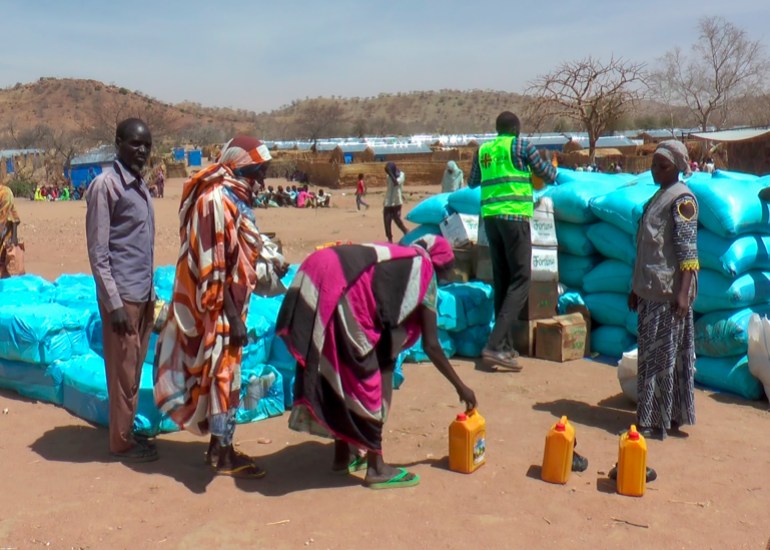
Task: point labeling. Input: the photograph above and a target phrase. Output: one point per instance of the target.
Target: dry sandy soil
(60, 490)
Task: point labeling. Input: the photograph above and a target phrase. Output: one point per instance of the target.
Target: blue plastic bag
(733, 256)
(572, 197)
(730, 374)
(471, 341)
(716, 292)
(623, 207)
(569, 298)
(420, 231)
(612, 242)
(608, 308)
(573, 269)
(466, 200)
(476, 300)
(431, 210)
(725, 333)
(261, 394)
(416, 354)
(609, 276)
(611, 341)
(41, 382)
(573, 239)
(729, 205)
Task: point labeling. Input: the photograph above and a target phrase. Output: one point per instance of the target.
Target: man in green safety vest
(503, 168)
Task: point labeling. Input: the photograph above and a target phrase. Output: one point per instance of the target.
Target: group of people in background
(58, 193)
(298, 197)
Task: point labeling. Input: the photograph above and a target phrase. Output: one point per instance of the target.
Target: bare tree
(593, 93)
(724, 66)
(319, 118)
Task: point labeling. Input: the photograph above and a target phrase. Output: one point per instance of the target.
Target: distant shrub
(123, 91)
(21, 187)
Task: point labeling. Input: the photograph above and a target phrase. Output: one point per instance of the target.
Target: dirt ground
(60, 490)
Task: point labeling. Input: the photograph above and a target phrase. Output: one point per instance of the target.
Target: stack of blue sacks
(465, 310)
(597, 216)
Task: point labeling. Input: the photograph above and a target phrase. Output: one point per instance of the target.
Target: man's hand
(120, 322)
(633, 301)
(238, 335)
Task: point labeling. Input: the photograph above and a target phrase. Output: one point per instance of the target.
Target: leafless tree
(724, 65)
(589, 91)
(319, 118)
(118, 106)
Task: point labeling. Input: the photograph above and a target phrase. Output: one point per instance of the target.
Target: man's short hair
(507, 124)
(125, 125)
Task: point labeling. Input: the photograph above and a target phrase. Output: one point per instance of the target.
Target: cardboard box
(460, 229)
(523, 337)
(562, 338)
(545, 264)
(542, 300)
(482, 264)
(583, 310)
(543, 225)
(462, 269)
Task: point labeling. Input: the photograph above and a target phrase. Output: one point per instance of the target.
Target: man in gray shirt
(120, 230)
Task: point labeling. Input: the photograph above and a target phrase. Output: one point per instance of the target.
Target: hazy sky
(260, 55)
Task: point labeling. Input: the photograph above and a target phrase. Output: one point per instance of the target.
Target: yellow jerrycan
(632, 464)
(467, 442)
(559, 448)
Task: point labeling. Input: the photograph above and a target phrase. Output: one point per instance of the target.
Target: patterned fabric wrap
(348, 313)
(197, 371)
(666, 372)
(8, 214)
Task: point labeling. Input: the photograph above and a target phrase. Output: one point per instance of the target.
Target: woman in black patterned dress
(664, 287)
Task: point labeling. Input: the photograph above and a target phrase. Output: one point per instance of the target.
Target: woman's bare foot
(384, 476)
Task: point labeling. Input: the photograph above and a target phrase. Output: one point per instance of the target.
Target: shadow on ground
(611, 414)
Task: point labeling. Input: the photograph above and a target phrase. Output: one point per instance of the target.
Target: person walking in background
(160, 181)
(120, 233)
(200, 347)
(394, 199)
(503, 168)
(453, 178)
(349, 312)
(360, 192)
(665, 284)
(9, 223)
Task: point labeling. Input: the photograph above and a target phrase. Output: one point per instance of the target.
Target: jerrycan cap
(560, 427)
(462, 417)
(633, 435)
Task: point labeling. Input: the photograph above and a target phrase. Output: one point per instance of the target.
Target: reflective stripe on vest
(505, 190)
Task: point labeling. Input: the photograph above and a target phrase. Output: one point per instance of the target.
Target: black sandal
(137, 453)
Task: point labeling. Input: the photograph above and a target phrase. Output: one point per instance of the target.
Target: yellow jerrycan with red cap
(467, 442)
(559, 448)
(632, 464)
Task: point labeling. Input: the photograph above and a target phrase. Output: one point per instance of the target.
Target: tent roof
(741, 134)
(101, 155)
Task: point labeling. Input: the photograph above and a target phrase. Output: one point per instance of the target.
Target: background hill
(76, 114)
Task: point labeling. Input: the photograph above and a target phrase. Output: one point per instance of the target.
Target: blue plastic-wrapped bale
(416, 354)
(418, 232)
(717, 292)
(25, 289)
(573, 269)
(476, 300)
(730, 374)
(612, 242)
(725, 333)
(733, 256)
(470, 342)
(431, 210)
(261, 394)
(41, 333)
(611, 341)
(164, 281)
(85, 394)
(466, 200)
(450, 311)
(608, 308)
(728, 203)
(623, 207)
(41, 382)
(572, 197)
(609, 276)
